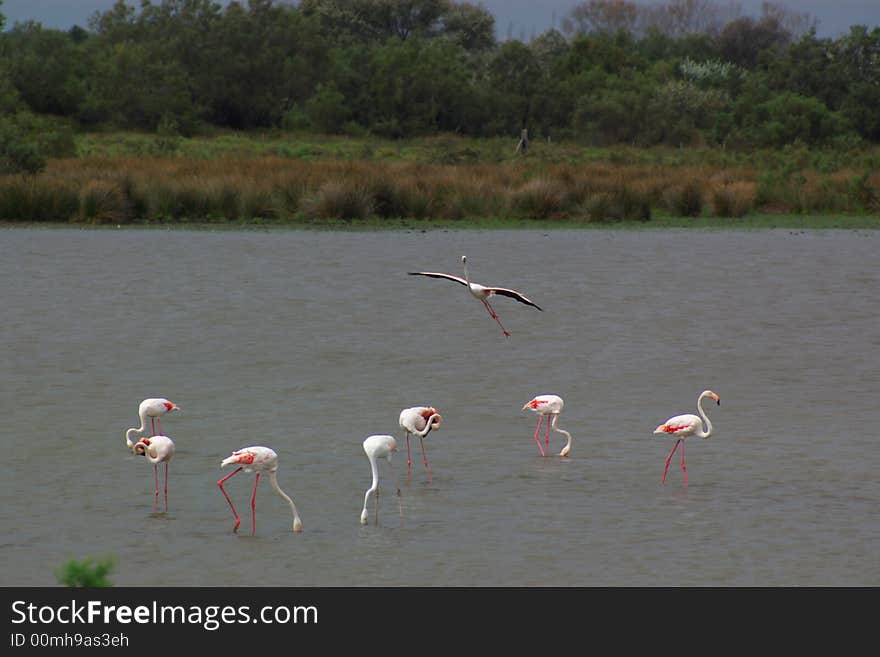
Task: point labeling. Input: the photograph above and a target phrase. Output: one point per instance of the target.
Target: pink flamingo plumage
(481, 292)
(256, 459)
(543, 406)
(419, 421)
(156, 449)
(682, 426)
(153, 408)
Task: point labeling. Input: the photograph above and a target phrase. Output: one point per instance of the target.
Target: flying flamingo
(376, 447)
(256, 459)
(157, 449)
(686, 425)
(544, 405)
(153, 408)
(480, 292)
(419, 421)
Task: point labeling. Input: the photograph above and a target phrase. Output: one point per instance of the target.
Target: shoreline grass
(444, 181)
(754, 222)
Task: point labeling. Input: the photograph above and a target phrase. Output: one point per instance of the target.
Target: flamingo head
(709, 393)
(430, 413)
(532, 405)
(140, 447)
(392, 447)
(171, 406)
(464, 260)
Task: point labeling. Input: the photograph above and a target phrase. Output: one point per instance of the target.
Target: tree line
(685, 72)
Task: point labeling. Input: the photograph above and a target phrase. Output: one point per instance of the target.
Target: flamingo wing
(513, 294)
(680, 425)
(434, 274)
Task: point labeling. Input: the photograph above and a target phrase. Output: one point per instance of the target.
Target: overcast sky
(521, 18)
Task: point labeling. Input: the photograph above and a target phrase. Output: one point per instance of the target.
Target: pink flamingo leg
(153, 426)
(166, 486)
(683, 467)
(408, 459)
(537, 431)
(495, 316)
(425, 459)
(668, 459)
(231, 506)
(547, 437)
(156, 497)
(254, 506)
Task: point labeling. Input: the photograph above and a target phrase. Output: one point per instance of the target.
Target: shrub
(87, 573)
(684, 200)
(734, 199)
(623, 203)
(390, 199)
(36, 199)
(540, 198)
(337, 200)
(102, 202)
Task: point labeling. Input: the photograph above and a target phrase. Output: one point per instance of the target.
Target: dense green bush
(400, 69)
(88, 573)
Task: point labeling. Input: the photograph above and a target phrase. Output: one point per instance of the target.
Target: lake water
(308, 342)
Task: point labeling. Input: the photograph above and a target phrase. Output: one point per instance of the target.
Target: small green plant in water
(87, 573)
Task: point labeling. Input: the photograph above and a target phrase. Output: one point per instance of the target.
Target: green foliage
(26, 141)
(673, 73)
(46, 69)
(327, 110)
(167, 135)
(88, 573)
(789, 118)
(10, 99)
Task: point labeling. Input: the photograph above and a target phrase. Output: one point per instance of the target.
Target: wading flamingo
(544, 405)
(153, 408)
(156, 449)
(682, 426)
(376, 447)
(419, 421)
(256, 459)
(480, 292)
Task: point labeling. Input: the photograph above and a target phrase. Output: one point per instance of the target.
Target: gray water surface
(308, 342)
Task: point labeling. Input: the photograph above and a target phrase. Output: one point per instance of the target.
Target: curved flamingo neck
(138, 430)
(567, 447)
(424, 432)
(708, 431)
(297, 523)
(374, 468)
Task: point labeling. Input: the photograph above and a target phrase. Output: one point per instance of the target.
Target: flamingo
(419, 421)
(156, 449)
(256, 459)
(153, 408)
(686, 425)
(376, 447)
(481, 292)
(544, 405)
